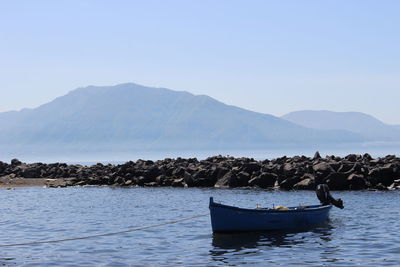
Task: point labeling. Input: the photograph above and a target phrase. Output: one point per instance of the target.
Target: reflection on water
(245, 243)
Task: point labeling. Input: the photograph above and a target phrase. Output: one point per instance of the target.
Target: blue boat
(226, 218)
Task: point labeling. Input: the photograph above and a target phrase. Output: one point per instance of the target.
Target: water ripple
(363, 234)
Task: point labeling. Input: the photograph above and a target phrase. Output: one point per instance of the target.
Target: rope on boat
(105, 234)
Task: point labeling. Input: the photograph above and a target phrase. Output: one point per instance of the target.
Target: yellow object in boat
(281, 208)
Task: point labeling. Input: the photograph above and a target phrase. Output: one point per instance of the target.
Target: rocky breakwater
(353, 172)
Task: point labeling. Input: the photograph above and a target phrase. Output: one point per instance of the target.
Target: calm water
(365, 233)
(374, 149)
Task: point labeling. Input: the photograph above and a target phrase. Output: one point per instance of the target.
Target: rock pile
(353, 172)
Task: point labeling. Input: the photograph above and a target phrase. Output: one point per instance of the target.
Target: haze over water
(117, 157)
(267, 56)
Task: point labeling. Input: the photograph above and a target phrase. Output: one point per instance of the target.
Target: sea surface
(374, 149)
(365, 233)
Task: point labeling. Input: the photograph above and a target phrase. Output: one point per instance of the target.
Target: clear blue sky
(268, 56)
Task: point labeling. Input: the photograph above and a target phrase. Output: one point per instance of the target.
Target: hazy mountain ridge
(366, 125)
(131, 116)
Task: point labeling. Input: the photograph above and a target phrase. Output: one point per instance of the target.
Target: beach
(10, 182)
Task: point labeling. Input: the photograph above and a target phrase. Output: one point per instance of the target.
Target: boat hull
(226, 218)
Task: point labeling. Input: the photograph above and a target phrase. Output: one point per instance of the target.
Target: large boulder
(367, 157)
(345, 166)
(119, 180)
(219, 172)
(375, 162)
(289, 182)
(264, 180)
(307, 183)
(335, 165)
(189, 180)
(323, 167)
(357, 182)
(243, 178)
(151, 173)
(142, 180)
(3, 168)
(160, 180)
(250, 167)
(352, 157)
(384, 175)
(321, 171)
(204, 178)
(289, 169)
(228, 180)
(32, 171)
(316, 156)
(358, 169)
(337, 181)
(15, 162)
(178, 172)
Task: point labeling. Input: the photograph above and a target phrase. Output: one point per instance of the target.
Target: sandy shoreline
(12, 182)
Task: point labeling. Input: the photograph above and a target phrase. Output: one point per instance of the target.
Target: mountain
(131, 116)
(369, 127)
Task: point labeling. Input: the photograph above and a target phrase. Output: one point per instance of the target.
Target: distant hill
(131, 116)
(369, 127)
